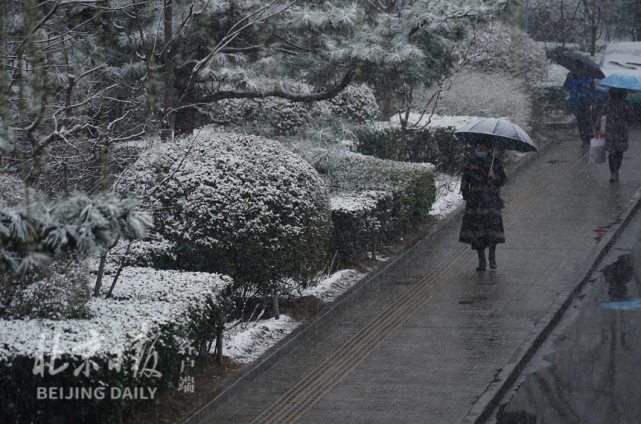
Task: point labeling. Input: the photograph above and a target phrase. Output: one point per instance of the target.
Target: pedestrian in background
(482, 227)
(616, 114)
(582, 97)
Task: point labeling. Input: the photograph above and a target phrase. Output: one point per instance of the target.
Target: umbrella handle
(492, 166)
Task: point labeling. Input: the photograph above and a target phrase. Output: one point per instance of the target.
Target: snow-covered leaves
(238, 203)
(145, 301)
(356, 102)
(13, 190)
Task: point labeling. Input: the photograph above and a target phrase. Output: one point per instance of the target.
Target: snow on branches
(33, 233)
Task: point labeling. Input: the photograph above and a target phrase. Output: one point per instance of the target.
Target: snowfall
(245, 342)
(116, 321)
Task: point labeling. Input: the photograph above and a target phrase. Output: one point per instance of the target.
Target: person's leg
(492, 256)
(614, 162)
(585, 124)
(481, 253)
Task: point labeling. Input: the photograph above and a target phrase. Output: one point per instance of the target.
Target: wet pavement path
(433, 340)
(590, 369)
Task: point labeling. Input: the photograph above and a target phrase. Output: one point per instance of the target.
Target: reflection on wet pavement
(594, 374)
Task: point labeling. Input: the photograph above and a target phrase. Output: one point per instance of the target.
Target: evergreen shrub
(438, 146)
(237, 204)
(375, 201)
(356, 102)
(152, 314)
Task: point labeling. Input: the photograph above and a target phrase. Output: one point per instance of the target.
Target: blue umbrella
(503, 135)
(628, 82)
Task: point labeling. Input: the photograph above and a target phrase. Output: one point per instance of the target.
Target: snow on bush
(356, 102)
(135, 339)
(144, 298)
(13, 190)
(283, 117)
(239, 204)
(62, 292)
(153, 252)
(427, 140)
(375, 200)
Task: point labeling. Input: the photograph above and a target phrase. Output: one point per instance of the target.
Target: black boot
(481, 266)
(492, 256)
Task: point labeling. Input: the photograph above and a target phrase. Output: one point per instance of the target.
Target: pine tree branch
(292, 97)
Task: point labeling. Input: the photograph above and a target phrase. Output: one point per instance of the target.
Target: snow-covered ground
(244, 342)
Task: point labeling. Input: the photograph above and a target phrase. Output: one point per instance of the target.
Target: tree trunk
(219, 345)
(388, 92)
(374, 247)
(593, 30)
(562, 27)
(101, 267)
(276, 309)
(101, 271)
(168, 106)
(122, 265)
(402, 146)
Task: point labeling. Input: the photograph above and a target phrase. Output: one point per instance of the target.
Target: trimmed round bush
(356, 102)
(238, 204)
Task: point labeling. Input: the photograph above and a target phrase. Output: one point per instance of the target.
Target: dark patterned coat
(482, 221)
(619, 113)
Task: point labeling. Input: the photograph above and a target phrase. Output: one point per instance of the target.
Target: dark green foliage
(18, 388)
(438, 146)
(375, 201)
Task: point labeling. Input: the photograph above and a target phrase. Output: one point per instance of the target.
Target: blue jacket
(581, 90)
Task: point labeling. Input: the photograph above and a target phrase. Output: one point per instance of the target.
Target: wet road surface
(592, 365)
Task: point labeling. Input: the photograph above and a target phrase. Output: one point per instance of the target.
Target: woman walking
(482, 225)
(617, 113)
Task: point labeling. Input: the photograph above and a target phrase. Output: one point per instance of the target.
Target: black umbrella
(580, 64)
(503, 135)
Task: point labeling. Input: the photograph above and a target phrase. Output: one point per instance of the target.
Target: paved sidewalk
(434, 340)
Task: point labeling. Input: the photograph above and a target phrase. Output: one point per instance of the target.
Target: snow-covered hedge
(281, 117)
(375, 200)
(433, 144)
(152, 315)
(238, 204)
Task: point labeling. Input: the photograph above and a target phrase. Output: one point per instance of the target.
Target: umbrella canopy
(580, 64)
(628, 82)
(503, 134)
